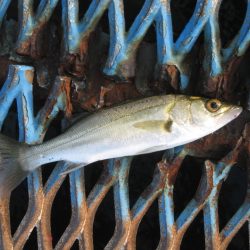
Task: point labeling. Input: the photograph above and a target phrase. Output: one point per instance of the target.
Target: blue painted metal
(120, 62)
(123, 45)
(30, 23)
(18, 86)
(75, 30)
(241, 41)
(216, 239)
(4, 4)
(217, 57)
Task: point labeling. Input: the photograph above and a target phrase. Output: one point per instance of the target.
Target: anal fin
(73, 167)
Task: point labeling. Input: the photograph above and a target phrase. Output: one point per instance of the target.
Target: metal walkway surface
(172, 63)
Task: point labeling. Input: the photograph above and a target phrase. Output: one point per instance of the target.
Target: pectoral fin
(155, 125)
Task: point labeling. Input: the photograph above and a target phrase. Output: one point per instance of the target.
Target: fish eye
(213, 105)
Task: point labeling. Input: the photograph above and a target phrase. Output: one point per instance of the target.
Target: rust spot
(23, 49)
(75, 65)
(167, 78)
(35, 44)
(174, 75)
(83, 48)
(101, 92)
(221, 86)
(117, 163)
(204, 188)
(29, 74)
(66, 90)
(171, 169)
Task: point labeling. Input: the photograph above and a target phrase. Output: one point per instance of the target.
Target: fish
(144, 126)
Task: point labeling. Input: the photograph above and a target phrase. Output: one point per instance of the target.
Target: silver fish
(144, 126)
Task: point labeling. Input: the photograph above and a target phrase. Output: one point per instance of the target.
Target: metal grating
(171, 68)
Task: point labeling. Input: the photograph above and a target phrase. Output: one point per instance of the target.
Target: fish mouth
(236, 111)
(230, 114)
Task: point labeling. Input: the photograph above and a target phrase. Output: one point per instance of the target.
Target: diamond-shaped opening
(13, 10)
(92, 173)
(104, 222)
(231, 17)
(187, 182)
(19, 201)
(61, 211)
(148, 234)
(103, 23)
(194, 237)
(35, 5)
(10, 125)
(46, 172)
(5, 66)
(31, 243)
(19, 196)
(146, 60)
(75, 246)
(240, 240)
(141, 174)
(232, 195)
(53, 131)
(83, 7)
(181, 13)
(49, 50)
(131, 10)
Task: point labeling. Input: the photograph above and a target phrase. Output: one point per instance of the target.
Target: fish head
(205, 115)
(212, 114)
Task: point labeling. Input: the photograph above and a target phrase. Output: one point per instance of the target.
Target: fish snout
(236, 111)
(229, 115)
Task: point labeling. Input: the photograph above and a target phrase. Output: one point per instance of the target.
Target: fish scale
(91, 125)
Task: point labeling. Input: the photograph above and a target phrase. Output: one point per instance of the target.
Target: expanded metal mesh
(171, 67)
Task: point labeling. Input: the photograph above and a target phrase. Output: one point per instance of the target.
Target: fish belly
(114, 143)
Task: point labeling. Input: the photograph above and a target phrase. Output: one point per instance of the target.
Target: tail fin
(11, 169)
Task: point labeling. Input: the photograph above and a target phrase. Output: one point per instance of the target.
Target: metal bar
(30, 24)
(4, 4)
(213, 43)
(133, 38)
(79, 210)
(240, 43)
(195, 25)
(235, 223)
(122, 50)
(82, 229)
(122, 209)
(211, 220)
(50, 190)
(19, 87)
(117, 31)
(168, 225)
(5, 232)
(121, 62)
(196, 204)
(75, 30)
(164, 32)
